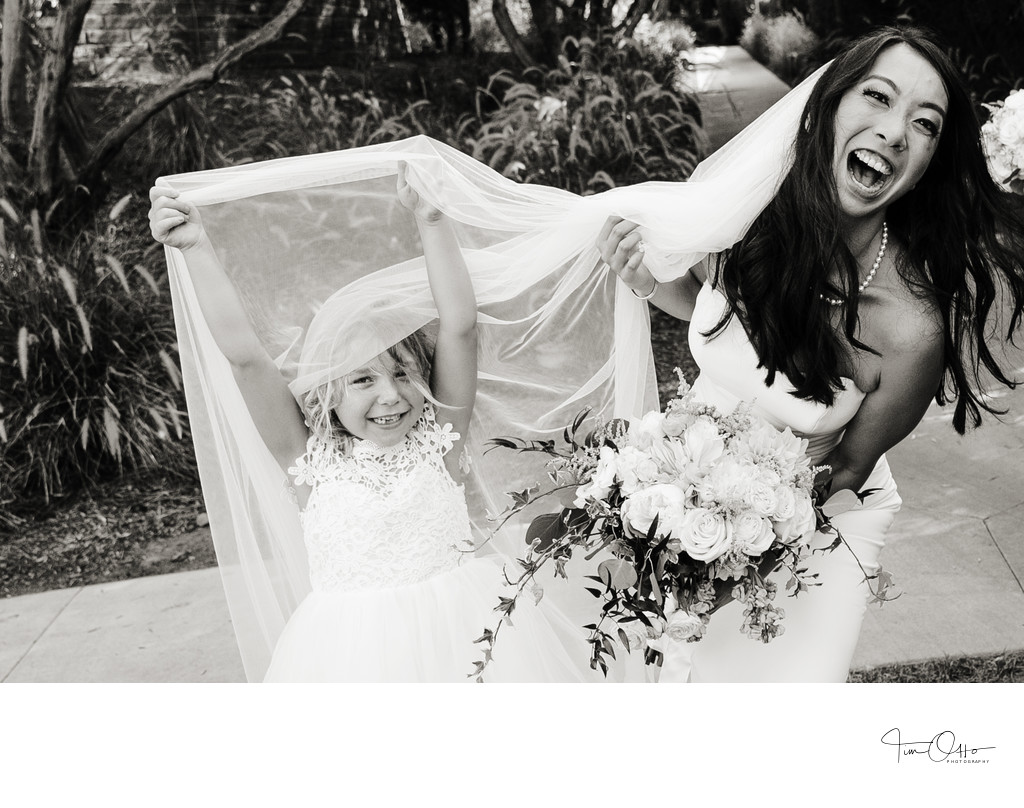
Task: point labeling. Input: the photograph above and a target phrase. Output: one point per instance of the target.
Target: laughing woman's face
(887, 128)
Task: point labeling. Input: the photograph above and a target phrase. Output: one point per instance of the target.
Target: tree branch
(634, 15)
(53, 82)
(11, 59)
(203, 76)
(515, 42)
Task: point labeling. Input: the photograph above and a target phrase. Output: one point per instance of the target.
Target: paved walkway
(733, 90)
(956, 550)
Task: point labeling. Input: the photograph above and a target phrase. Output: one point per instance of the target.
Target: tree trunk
(515, 42)
(43, 147)
(203, 76)
(634, 15)
(12, 57)
(545, 20)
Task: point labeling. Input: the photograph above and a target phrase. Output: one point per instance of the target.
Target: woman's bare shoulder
(907, 322)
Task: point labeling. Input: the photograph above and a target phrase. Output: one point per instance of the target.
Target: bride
(558, 333)
(858, 295)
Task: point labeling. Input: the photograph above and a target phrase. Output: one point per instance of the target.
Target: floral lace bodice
(381, 517)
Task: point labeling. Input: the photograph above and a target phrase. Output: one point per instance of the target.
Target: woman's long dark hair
(963, 239)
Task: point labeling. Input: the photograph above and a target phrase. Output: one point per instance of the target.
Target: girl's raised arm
(453, 379)
(177, 223)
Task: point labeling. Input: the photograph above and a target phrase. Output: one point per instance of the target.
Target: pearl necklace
(874, 267)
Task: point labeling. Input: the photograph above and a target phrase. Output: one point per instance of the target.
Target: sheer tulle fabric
(316, 242)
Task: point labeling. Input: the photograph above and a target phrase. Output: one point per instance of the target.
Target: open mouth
(387, 420)
(869, 170)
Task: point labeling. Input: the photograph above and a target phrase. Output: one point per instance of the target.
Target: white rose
(636, 634)
(785, 503)
(646, 430)
(674, 423)
(682, 626)
(666, 501)
(751, 533)
(1000, 164)
(801, 524)
(1015, 100)
(763, 499)
(635, 469)
(704, 444)
(1010, 130)
(703, 533)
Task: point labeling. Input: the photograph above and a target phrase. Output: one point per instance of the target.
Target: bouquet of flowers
(1002, 137)
(686, 510)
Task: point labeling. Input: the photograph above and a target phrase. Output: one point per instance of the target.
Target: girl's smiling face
(887, 128)
(381, 402)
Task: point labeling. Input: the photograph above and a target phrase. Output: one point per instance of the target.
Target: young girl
(371, 436)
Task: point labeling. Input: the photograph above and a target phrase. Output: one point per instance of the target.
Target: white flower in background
(1002, 136)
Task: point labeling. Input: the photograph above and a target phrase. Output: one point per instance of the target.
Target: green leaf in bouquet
(545, 530)
(501, 443)
(570, 431)
(617, 573)
(567, 497)
(595, 592)
(840, 502)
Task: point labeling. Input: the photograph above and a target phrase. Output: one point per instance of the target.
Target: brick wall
(140, 38)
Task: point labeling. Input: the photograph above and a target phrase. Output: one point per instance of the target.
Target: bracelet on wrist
(649, 295)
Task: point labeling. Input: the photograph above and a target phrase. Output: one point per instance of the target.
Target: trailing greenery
(599, 119)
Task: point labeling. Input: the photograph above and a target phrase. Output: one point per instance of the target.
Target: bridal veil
(324, 236)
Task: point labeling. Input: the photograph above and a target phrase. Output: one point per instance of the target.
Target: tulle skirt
(822, 625)
(424, 632)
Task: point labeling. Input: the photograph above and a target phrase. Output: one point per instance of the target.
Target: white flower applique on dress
(383, 516)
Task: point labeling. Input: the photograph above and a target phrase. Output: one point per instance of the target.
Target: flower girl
(371, 436)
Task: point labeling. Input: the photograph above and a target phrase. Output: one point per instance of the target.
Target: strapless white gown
(394, 598)
(822, 625)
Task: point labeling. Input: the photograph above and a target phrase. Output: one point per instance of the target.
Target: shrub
(89, 384)
(590, 124)
(661, 42)
(783, 42)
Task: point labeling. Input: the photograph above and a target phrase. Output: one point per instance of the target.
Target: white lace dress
(396, 598)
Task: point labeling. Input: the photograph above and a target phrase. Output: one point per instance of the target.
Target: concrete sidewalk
(732, 89)
(956, 550)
